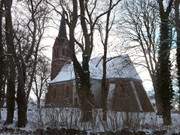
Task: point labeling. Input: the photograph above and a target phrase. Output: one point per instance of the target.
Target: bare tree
(104, 35)
(23, 37)
(28, 35)
(10, 96)
(140, 23)
(41, 78)
(40, 82)
(82, 72)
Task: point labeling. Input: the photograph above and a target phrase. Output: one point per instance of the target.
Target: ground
(66, 121)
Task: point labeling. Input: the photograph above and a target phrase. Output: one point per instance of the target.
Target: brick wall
(60, 56)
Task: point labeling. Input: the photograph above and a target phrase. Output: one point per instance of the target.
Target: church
(125, 90)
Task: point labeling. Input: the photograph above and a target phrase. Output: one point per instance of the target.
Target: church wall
(121, 95)
(60, 94)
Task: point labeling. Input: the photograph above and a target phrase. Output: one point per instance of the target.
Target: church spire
(62, 30)
(61, 49)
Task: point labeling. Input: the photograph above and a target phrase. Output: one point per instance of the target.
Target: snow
(117, 67)
(70, 118)
(67, 73)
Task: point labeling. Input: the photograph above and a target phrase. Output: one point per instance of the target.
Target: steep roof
(117, 67)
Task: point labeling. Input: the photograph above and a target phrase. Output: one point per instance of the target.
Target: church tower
(61, 50)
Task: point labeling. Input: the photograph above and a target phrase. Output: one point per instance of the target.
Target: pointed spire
(62, 29)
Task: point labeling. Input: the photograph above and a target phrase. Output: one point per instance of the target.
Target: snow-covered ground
(70, 118)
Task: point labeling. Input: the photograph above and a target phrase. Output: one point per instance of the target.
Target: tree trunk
(22, 113)
(2, 64)
(83, 88)
(177, 20)
(21, 96)
(22, 105)
(104, 88)
(157, 97)
(85, 104)
(163, 73)
(166, 116)
(11, 65)
(39, 102)
(82, 73)
(10, 96)
(104, 94)
(158, 103)
(164, 83)
(85, 98)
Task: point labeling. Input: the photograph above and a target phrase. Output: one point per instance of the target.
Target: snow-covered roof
(117, 67)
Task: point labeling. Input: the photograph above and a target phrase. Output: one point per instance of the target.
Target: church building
(125, 90)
